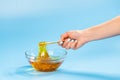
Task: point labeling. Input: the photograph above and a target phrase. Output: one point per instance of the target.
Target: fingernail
(75, 40)
(72, 40)
(68, 40)
(61, 42)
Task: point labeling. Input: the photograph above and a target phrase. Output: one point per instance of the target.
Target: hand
(72, 39)
(75, 39)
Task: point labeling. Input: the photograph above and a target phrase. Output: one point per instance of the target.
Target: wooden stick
(51, 42)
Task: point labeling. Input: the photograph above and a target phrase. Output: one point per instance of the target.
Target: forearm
(107, 29)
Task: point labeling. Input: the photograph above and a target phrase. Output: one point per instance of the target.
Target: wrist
(84, 36)
(87, 35)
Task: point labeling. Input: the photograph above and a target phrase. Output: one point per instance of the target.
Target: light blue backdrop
(23, 23)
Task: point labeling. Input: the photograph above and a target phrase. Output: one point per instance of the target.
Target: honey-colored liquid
(42, 54)
(45, 66)
(43, 61)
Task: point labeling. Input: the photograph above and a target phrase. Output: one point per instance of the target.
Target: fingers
(69, 40)
(69, 43)
(73, 44)
(65, 43)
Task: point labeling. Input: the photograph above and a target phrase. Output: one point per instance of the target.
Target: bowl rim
(34, 57)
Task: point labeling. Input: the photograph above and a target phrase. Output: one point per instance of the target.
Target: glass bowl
(56, 55)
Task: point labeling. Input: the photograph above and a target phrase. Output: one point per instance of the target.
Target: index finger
(64, 36)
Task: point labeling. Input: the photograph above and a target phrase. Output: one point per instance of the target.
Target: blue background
(23, 23)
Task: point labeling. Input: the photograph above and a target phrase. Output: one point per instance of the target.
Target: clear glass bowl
(57, 56)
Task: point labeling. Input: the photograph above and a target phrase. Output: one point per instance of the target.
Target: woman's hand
(73, 39)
